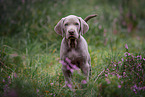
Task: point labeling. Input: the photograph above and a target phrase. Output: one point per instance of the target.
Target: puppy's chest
(75, 56)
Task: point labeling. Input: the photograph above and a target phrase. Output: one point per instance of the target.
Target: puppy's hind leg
(86, 70)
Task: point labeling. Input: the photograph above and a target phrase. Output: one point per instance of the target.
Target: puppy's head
(71, 27)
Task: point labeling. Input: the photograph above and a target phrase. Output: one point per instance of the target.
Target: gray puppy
(74, 49)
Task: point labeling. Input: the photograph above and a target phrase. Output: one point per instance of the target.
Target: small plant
(127, 74)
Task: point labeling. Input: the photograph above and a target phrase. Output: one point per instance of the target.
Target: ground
(29, 48)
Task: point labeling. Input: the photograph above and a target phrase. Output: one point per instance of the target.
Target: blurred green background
(29, 47)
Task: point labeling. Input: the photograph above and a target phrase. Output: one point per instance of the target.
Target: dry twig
(99, 75)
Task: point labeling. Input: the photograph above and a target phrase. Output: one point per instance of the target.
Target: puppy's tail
(89, 17)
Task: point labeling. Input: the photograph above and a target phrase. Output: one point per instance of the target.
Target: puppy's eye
(66, 24)
(76, 24)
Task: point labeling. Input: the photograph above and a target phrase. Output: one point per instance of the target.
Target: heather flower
(141, 88)
(15, 75)
(83, 81)
(8, 77)
(126, 46)
(113, 74)
(69, 85)
(134, 91)
(135, 86)
(118, 76)
(68, 60)
(51, 84)
(106, 75)
(71, 70)
(124, 73)
(129, 54)
(104, 34)
(144, 59)
(9, 80)
(66, 82)
(37, 90)
(68, 68)
(64, 86)
(3, 81)
(69, 65)
(74, 66)
(63, 63)
(119, 62)
(107, 69)
(139, 64)
(125, 54)
(140, 57)
(119, 86)
(108, 81)
(100, 27)
(132, 56)
(121, 82)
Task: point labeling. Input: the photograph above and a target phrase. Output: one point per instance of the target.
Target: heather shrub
(125, 75)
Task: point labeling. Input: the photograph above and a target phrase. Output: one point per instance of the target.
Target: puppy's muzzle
(71, 34)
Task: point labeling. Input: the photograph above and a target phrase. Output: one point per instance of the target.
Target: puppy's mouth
(71, 37)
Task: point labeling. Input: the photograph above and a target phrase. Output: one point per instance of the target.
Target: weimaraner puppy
(74, 49)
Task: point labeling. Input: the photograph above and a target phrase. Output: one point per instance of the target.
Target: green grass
(29, 48)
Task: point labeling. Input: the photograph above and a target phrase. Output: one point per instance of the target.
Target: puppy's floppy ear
(83, 26)
(59, 27)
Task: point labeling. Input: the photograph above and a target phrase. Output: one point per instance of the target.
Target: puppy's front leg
(67, 76)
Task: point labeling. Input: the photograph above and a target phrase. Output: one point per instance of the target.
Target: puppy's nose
(71, 32)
